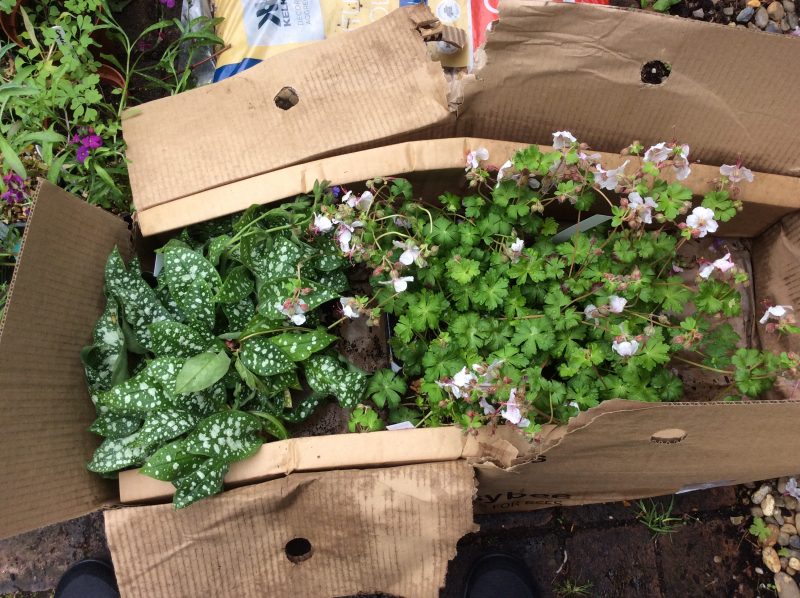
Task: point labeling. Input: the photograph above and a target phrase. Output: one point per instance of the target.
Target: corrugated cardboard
(549, 67)
(769, 197)
(55, 299)
(389, 530)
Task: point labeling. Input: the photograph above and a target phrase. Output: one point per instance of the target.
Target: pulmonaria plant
(498, 317)
(232, 343)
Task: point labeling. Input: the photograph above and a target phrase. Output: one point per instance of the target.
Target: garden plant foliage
(495, 317)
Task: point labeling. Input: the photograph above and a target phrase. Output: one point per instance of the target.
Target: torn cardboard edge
(773, 195)
(502, 448)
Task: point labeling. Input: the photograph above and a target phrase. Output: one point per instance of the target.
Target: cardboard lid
(55, 299)
(549, 67)
(389, 530)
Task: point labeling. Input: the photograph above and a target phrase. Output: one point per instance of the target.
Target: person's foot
(499, 576)
(88, 579)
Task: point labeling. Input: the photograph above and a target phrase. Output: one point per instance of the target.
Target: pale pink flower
(591, 312)
(400, 283)
(501, 173)
(411, 253)
(608, 179)
(657, 153)
(512, 413)
(681, 162)
(322, 224)
(487, 408)
(475, 157)
(616, 304)
(642, 207)
(702, 221)
(736, 173)
(344, 234)
(350, 307)
(563, 140)
(706, 270)
(724, 263)
(294, 310)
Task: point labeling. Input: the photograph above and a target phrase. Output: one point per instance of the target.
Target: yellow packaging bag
(257, 29)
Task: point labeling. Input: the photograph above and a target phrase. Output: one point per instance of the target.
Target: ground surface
(602, 547)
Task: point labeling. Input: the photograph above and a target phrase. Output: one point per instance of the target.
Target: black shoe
(499, 576)
(88, 579)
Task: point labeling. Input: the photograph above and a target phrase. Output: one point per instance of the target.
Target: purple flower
(168, 3)
(92, 141)
(336, 191)
(16, 189)
(81, 154)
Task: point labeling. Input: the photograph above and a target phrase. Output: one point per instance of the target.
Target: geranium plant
(496, 316)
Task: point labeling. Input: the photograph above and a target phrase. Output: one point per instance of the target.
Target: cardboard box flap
(580, 67)
(388, 530)
(767, 198)
(666, 447)
(372, 84)
(56, 297)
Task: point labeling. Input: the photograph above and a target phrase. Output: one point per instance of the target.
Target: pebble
(762, 492)
(788, 6)
(794, 563)
(778, 517)
(790, 502)
(793, 21)
(762, 17)
(759, 570)
(743, 17)
(779, 502)
(791, 571)
(783, 539)
(789, 518)
(794, 542)
(774, 534)
(717, 559)
(738, 520)
(699, 13)
(781, 481)
(753, 26)
(768, 504)
(754, 3)
(771, 559)
(784, 562)
(786, 586)
(756, 512)
(776, 12)
(773, 27)
(728, 11)
(789, 528)
(785, 25)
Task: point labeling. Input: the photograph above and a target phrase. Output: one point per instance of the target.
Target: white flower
(463, 378)
(365, 201)
(657, 153)
(736, 174)
(591, 313)
(563, 139)
(400, 283)
(411, 252)
(792, 489)
(706, 270)
(487, 408)
(322, 224)
(501, 173)
(776, 311)
(607, 179)
(349, 199)
(474, 158)
(616, 304)
(642, 207)
(681, 162)
(625, 348)
(349, 307)
(518, 245)
(702, 220)
(295, 310)
(396, 367)
(298, 319)
(344, 234)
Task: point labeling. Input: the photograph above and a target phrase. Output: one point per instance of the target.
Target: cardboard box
(371, 504)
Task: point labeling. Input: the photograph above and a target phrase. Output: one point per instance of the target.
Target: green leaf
(183, 266)
(492, 291)
(134, 397)
(115, 426)
(164, 425)
(300, 346)
(10, 157)
(672, 294)
(236, 287)
(196, 300)
(721, 203)
(386, 388)
(204, 402)
(426, 309)
(326, 375)
(462, 270)
(229, 435)
(171, 462)
(201, 371)
(533, 336)
(281, 260)
(116, 454)
(302, 410)
(239, 314)
(216, 247)
(171, 338)
(272, 425)
(206, 480)
(263, 357)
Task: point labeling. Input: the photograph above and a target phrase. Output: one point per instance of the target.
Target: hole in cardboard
(298, 550)
(668, 436)
(655, 72)
(286, 98)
